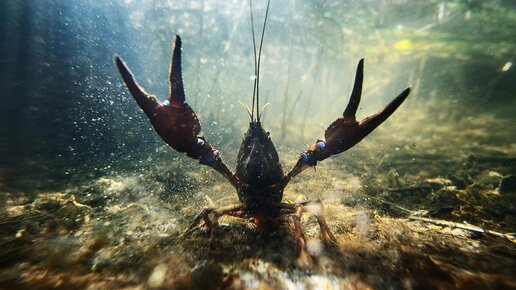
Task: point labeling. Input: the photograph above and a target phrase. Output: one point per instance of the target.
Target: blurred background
(65, 113)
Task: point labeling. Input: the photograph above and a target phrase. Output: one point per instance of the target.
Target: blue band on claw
(308, 159)
(207, 158)
(320, 144)
(200, 143)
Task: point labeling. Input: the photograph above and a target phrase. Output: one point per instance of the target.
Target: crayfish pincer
(259, 180)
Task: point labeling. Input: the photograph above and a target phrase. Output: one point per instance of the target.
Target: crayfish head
(258, 164)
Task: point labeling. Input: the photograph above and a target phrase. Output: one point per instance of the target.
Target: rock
(507, 184)
(489, 178)
(510, 221)
(459, 182)
(438, 182)
(206, 275)
(93, 199)
(158, 275)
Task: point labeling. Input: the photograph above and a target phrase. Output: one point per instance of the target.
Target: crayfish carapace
(259, 179)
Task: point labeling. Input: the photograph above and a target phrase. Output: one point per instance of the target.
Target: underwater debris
(120, 244)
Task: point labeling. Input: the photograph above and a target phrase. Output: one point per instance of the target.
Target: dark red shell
(178, 127)
(258, 167)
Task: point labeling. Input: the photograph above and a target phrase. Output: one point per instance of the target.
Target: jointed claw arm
(346, 131)
(174, 120)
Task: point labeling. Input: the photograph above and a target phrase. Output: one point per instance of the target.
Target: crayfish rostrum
(259, 179)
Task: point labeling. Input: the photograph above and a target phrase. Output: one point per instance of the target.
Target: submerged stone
(508, 184)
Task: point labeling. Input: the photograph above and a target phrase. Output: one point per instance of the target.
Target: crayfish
(259, 179)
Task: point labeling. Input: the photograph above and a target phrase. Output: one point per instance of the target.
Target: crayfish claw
(148, 103)
(370, 123)
(346, 132)
(356, 94)
(174, 120)
(177, 91)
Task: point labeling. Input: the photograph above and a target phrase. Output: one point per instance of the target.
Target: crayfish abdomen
(258, 167)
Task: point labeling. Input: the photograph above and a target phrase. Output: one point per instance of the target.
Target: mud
(407, 215)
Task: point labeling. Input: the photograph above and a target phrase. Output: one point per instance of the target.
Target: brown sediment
(404, 216)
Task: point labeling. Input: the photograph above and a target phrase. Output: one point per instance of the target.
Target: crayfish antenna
(257, 61)
(263, 110)
(249, 112)
(255, 58)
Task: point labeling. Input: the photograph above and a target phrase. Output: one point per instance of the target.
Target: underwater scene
(236, 144)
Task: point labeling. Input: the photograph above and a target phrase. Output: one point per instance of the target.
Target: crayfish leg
(315, 208)
(303, 257)
(211, 216)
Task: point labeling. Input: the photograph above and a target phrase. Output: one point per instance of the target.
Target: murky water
(91, 197)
